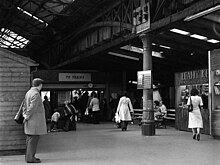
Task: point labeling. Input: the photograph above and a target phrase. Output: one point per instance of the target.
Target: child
(54, 119)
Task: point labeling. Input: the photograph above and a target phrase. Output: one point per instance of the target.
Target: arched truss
(114, 23)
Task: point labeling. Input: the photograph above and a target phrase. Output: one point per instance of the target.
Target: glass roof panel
(10, 39)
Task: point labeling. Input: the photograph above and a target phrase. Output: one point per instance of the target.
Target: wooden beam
(195, 8)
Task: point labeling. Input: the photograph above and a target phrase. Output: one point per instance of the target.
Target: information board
(144, 79)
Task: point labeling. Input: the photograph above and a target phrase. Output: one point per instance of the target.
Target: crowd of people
(40, 119)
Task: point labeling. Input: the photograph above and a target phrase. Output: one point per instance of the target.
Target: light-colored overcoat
(34, 113)
(124, 109)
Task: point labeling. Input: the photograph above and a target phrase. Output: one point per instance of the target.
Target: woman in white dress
(124, 110)
(195, 117)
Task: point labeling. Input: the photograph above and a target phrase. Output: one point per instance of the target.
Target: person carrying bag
(19, 118)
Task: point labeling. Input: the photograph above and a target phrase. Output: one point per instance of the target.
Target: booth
(214, 57)
(15, 81)
(184, 82)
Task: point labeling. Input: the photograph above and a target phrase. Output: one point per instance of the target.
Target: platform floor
(105, 144)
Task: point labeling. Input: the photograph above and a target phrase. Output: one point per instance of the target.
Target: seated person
(163, 108)
(54, 119)
(157, 110)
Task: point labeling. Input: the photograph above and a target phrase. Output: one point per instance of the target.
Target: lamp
(203, 13)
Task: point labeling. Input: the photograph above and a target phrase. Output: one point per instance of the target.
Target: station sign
(75, 77)
(192, 77)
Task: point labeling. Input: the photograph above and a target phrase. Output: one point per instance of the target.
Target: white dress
(124, 109)
(195, 117)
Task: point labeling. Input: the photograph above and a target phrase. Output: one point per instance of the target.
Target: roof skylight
(31, 15)
(10, 39)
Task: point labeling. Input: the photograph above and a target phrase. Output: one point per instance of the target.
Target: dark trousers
(67, 123)
(95, 117)
(124, 124)
(31, 147)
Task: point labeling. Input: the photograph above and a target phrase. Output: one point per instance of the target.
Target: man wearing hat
(34, 120)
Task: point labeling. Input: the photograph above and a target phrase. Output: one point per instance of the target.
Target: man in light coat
(34, 120)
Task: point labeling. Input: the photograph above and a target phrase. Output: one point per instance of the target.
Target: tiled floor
(104, 144)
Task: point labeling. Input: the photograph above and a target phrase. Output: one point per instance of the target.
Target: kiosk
(184, 82)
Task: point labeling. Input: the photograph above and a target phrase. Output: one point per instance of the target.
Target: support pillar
(148, 123)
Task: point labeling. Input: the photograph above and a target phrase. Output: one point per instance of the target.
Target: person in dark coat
(70, 114)
(47, 108)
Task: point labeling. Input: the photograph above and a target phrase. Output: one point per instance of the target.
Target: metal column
(148, 125)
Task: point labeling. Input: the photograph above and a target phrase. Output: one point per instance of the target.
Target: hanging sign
(73, 77)
(144, 79)
(141, 17)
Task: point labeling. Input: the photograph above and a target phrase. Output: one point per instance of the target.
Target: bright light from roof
(180, 31)
(140, 50)
(31, 15)
(194, 36)
(123, 56)
(198, 37)
(166, 47)
(213, 41)
(10, 39)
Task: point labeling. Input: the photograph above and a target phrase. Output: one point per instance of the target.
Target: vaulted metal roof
(39, 27)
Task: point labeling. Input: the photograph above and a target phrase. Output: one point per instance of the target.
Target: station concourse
(105, 144)
(150, 49)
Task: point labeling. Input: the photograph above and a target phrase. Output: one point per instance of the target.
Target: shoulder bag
(19, 118)
(190, 107)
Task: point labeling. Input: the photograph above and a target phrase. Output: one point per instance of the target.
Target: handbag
(19, 118)
(190, 107)
(117, 118)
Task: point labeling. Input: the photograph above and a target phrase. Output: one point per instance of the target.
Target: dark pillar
(148, 127)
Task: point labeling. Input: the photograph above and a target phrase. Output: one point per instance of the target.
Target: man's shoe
(34, 161)
(36, 158)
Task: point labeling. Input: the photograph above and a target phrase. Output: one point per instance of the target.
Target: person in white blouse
(94, 104)
(195, 117)
(124, 110)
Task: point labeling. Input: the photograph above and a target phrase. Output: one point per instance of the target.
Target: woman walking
(94, 104)
(195, 117)
(124, 110)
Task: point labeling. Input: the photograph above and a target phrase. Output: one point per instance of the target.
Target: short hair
(194, 92)
(156, 102)
(125, 94)
(37, 82)
(45, 97)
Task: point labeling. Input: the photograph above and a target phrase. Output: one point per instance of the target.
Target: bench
(137, 117)
(170, 114)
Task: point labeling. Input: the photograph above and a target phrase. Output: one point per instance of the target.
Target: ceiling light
(213, 41)
(123, 56)
(203, 13)
(140, 50)
(180, 31)
(31, 15)
(198, 37)
(167, 47)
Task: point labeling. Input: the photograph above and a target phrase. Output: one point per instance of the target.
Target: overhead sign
(74, 77)
(141, 17)
(144, 79)
(192, 77)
